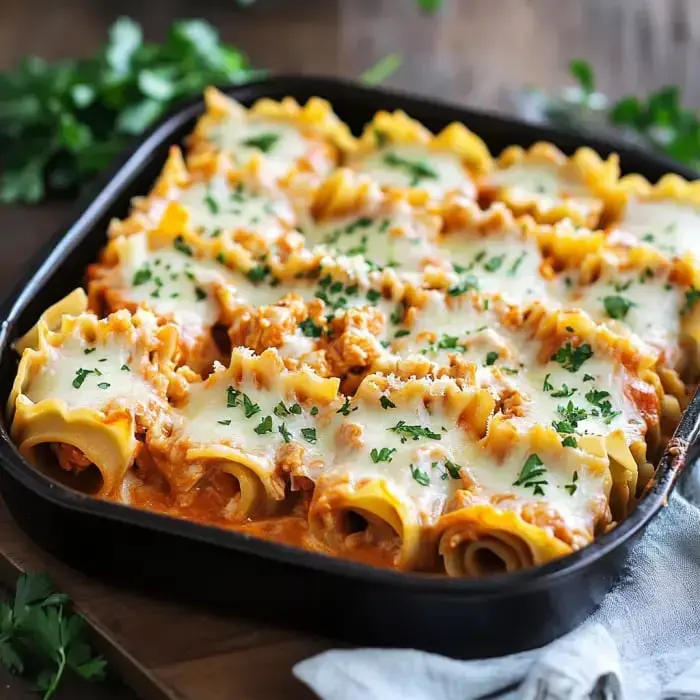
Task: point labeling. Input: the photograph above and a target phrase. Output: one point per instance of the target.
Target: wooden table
(473, 51)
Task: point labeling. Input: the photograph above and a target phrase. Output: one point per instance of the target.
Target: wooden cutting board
(165, 651)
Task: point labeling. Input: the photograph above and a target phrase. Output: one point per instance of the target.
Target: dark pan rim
(110, 185)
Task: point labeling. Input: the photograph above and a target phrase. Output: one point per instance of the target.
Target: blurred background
(472, 51)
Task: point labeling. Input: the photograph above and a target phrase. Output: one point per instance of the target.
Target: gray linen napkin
(643, 642)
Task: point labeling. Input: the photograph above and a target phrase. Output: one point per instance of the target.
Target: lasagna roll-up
(665, 216)
(529, 499)
(398, 447)
(247, 432)
(550, 186)
(90, 391)
(289, 136)
(399, 152)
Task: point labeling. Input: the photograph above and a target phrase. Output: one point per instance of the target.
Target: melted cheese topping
(507, 264)
(390, 241)
(90, 376)
(281, 143)
(668, 226)
(542, 183)
(643, 304)
(216, 206)
(436, 172)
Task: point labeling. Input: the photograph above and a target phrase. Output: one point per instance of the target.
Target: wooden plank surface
(478, 52)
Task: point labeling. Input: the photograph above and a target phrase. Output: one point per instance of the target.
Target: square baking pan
(242, 575)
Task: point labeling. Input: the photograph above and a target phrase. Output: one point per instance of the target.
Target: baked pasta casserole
(395, 347)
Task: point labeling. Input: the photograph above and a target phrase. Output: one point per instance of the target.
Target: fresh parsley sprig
(63, 122)
(41, 638)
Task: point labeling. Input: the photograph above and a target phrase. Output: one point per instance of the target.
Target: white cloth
(643, 642)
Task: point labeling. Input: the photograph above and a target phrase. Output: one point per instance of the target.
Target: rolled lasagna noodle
(88, 390)
(398, 152)
(398, 451)
(288, 135)
(254, 421)
(530, 499)
(543, 182)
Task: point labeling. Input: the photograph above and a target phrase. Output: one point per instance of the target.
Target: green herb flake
(309, 434)
(80, 376)
(617, 307)
(125, 368)
(263, 142)
(265, 426)
(345, 409)
(571, 358)
(413, 432)
(491, 358)
(383, 455)
(530, 474)
(141, 276)
(232, 397)
(226, 421)
(420, 476)
(286, 435)
(386, 402)
(569, 441)
(415, 170)
(249, 408)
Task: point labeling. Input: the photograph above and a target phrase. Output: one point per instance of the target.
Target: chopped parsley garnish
(564, 392)
(571, 488)
(314, 410)
(125, 368)
(232, 397)
(104, 385)
(199, 293)
(622, 286)
(141, 276)
(569, 441)
(362, 222)
(648, 237)
(373, 295)
(416, 170)
(345, 409)
(571, 358)
(547, 385)
(212, 204)
(80, 376)
(257, 273)
(265, 426)
(452, 469)
(249, 407)
(494, 263)
(102, 359)
(386, 402)
(603, 406)
(571, 416)
(617, 307)
(220, 258)
(280, 410)
(383, 455)
(397, 314)
(420, 476)
(87, 351)
(310, 329)
(226, 421)
(691, 296)
(179, 244)
(309, 434)
(491, 357)
(286, 435)
(402, 333)
(530, 473)
(414, 432)
(514, 267)
(215, 234)
(263, 142)
(588, 378)
(295, 408)
(468, 282)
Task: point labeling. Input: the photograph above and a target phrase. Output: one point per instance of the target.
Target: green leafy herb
(467, 282)
(310, 329)
(232, 397)
(569, 441)
(125, 368)
(386, 402)
(617, 307)
(373, 295)
(588, 378)
(571, 415)
(547, 386)
(265, 426)
(602, 403)
(582, 71)
(199, 293)
(416, 170)
(493, 264)
(38, 634)
(530, 473)
(383, 455)
(571, 488)
(263, 142)
(141, 276)
(345, 409)
(104, 385)
(309, 434)
(564, 391)
(571, 358)
(413, 432)
(249, 408)
(226, 421)
(691, 296)
(314, 410)
(257, 273)
(514, 267)
(420, 476)
(491, 357)
(280, 410)
(452, 469)
(80, 376)
(212, 204)
(179, 244)
(88, 351)
(286, 435)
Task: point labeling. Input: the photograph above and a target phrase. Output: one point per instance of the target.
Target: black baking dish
(288, 586)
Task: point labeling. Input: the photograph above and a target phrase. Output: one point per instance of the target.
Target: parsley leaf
(383, 455)
(530, 473)
(420, 476)
(617, 307)
(571, 358)
(414, 432)
(263, 142)
(386, 402)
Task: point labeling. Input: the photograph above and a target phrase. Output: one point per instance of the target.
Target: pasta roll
(529, 499)
(353, 216)
(665, 216)
(254, 421)
(89, 391)
(398, 445)
(548, 185)
(289, 136)
(398, 152)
